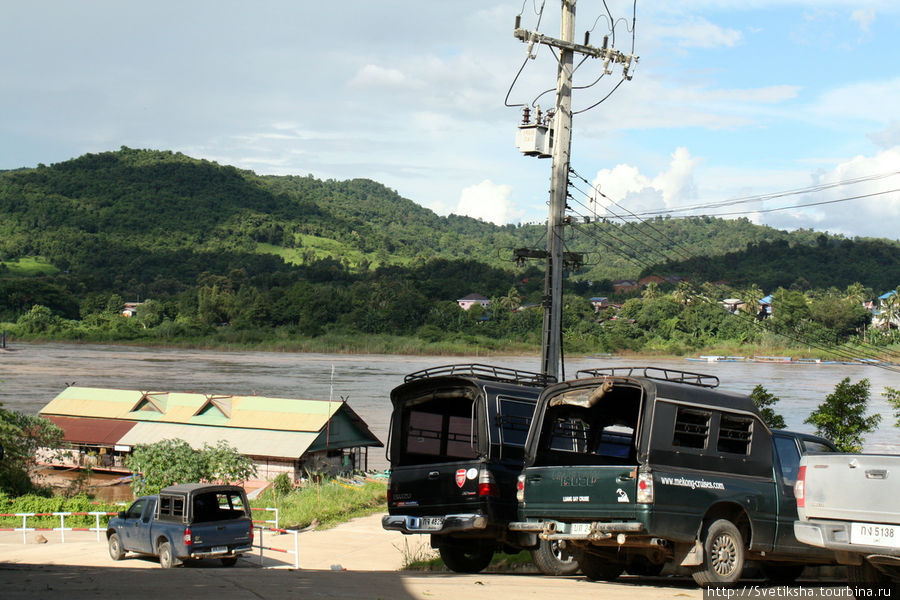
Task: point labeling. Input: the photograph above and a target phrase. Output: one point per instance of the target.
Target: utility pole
(561, 135)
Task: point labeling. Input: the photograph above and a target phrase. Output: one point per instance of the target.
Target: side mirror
(121, 514)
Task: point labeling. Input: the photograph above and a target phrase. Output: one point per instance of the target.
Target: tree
(893, 398)
(841, 418)
(169, 462)
(21, 436)
(764, 402)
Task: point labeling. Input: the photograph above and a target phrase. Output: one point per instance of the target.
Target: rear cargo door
(573, 493)
(435, 465)
(220, 520)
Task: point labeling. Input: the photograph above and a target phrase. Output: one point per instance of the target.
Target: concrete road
(355, 560)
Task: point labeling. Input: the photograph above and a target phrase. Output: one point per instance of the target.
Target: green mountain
(144, 223)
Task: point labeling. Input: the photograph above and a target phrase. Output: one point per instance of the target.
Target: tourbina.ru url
(785, 591)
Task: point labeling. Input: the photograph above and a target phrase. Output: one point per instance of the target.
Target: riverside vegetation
(225, 258)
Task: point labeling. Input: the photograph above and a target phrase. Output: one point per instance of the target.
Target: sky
(731, 103)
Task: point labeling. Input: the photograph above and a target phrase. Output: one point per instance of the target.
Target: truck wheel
(228, 561)
(467, 559)
(166, 558)
(642, 567)
(599, 568)
(778, 574)
(723, 555)
(551, 559)
(116, 552)
(868, 579)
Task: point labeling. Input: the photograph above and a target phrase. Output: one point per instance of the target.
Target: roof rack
(485, 372)
(662, 374)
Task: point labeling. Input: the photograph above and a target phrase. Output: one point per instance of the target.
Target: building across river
(281, 435)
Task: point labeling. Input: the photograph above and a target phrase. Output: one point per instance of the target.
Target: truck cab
(636, 467)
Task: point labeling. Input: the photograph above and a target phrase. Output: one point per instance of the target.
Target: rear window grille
(735, 434)
(691, 428)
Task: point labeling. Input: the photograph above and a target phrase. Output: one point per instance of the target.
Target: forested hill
(143, 222)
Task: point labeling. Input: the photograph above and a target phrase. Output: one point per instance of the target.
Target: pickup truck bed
(848, 503)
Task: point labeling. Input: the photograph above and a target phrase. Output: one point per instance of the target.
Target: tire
(870, 581)
(550, 559)
(116, 552)
(228, 561)
(642, 567)
(467, 559)
(166, 558)
(723, 555)
(779, 574)
(598, 567)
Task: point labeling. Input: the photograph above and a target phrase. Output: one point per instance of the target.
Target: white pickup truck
(850, 503)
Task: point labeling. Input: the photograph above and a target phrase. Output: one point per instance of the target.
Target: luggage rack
(660, 373)
(485, 372)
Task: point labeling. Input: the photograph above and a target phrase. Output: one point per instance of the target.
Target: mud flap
(689, 555)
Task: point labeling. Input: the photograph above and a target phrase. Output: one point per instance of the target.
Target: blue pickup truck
(184, 522)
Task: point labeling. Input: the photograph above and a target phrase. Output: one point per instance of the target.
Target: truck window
(735, 433)
(691, 428)
(137, 509)
(813, 446)
(603, 434)
(437, 430)
(789, 461)
(218, 506)
(514, 418)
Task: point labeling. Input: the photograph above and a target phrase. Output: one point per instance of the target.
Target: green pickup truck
(632, 468)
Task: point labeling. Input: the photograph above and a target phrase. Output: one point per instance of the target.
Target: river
(33, 374)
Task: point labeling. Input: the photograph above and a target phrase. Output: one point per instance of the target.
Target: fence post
(296, 548)
(98, 525)
(260, 546)
(62, 528)
(24, 528)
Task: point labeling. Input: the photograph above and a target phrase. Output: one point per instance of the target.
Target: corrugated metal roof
(92, 431)
(251, 412)
(251, 442)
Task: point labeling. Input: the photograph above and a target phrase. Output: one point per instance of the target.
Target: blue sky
(730, 99)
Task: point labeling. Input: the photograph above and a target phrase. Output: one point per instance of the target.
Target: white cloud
(697, 32)
(488, 201)
(374, 76)
(864, 17)
(625, 186)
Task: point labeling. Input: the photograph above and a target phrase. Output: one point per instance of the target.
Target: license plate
(869, 534)
(580, 528)
(219, 549)
(428, 523)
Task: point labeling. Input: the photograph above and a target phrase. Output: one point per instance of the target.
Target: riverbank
(476, 346)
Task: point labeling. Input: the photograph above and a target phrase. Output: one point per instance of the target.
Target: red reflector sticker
(460, 477)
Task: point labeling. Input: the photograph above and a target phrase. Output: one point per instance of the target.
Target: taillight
(520, 489)
(188, 538)
(487, 486)
(800, 487)
(645, 487)
(251, 534)
(389, 496)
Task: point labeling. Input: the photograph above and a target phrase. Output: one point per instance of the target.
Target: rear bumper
(592, 531)
(208, 553)
(835, 535)
(451, 523)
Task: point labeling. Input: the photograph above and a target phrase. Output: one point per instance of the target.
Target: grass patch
(329, 503)
(29, 266)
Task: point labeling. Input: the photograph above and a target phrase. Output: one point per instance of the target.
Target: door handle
(434, 474)
(624, 477)
(876, 473)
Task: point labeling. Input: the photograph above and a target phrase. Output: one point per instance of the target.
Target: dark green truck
(632, 468)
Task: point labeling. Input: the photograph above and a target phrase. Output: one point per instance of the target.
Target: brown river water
(33, 374)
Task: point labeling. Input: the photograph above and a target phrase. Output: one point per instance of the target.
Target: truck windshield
(602, 434)
(437, 430)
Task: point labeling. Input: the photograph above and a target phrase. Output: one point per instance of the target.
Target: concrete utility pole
(551, 345)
